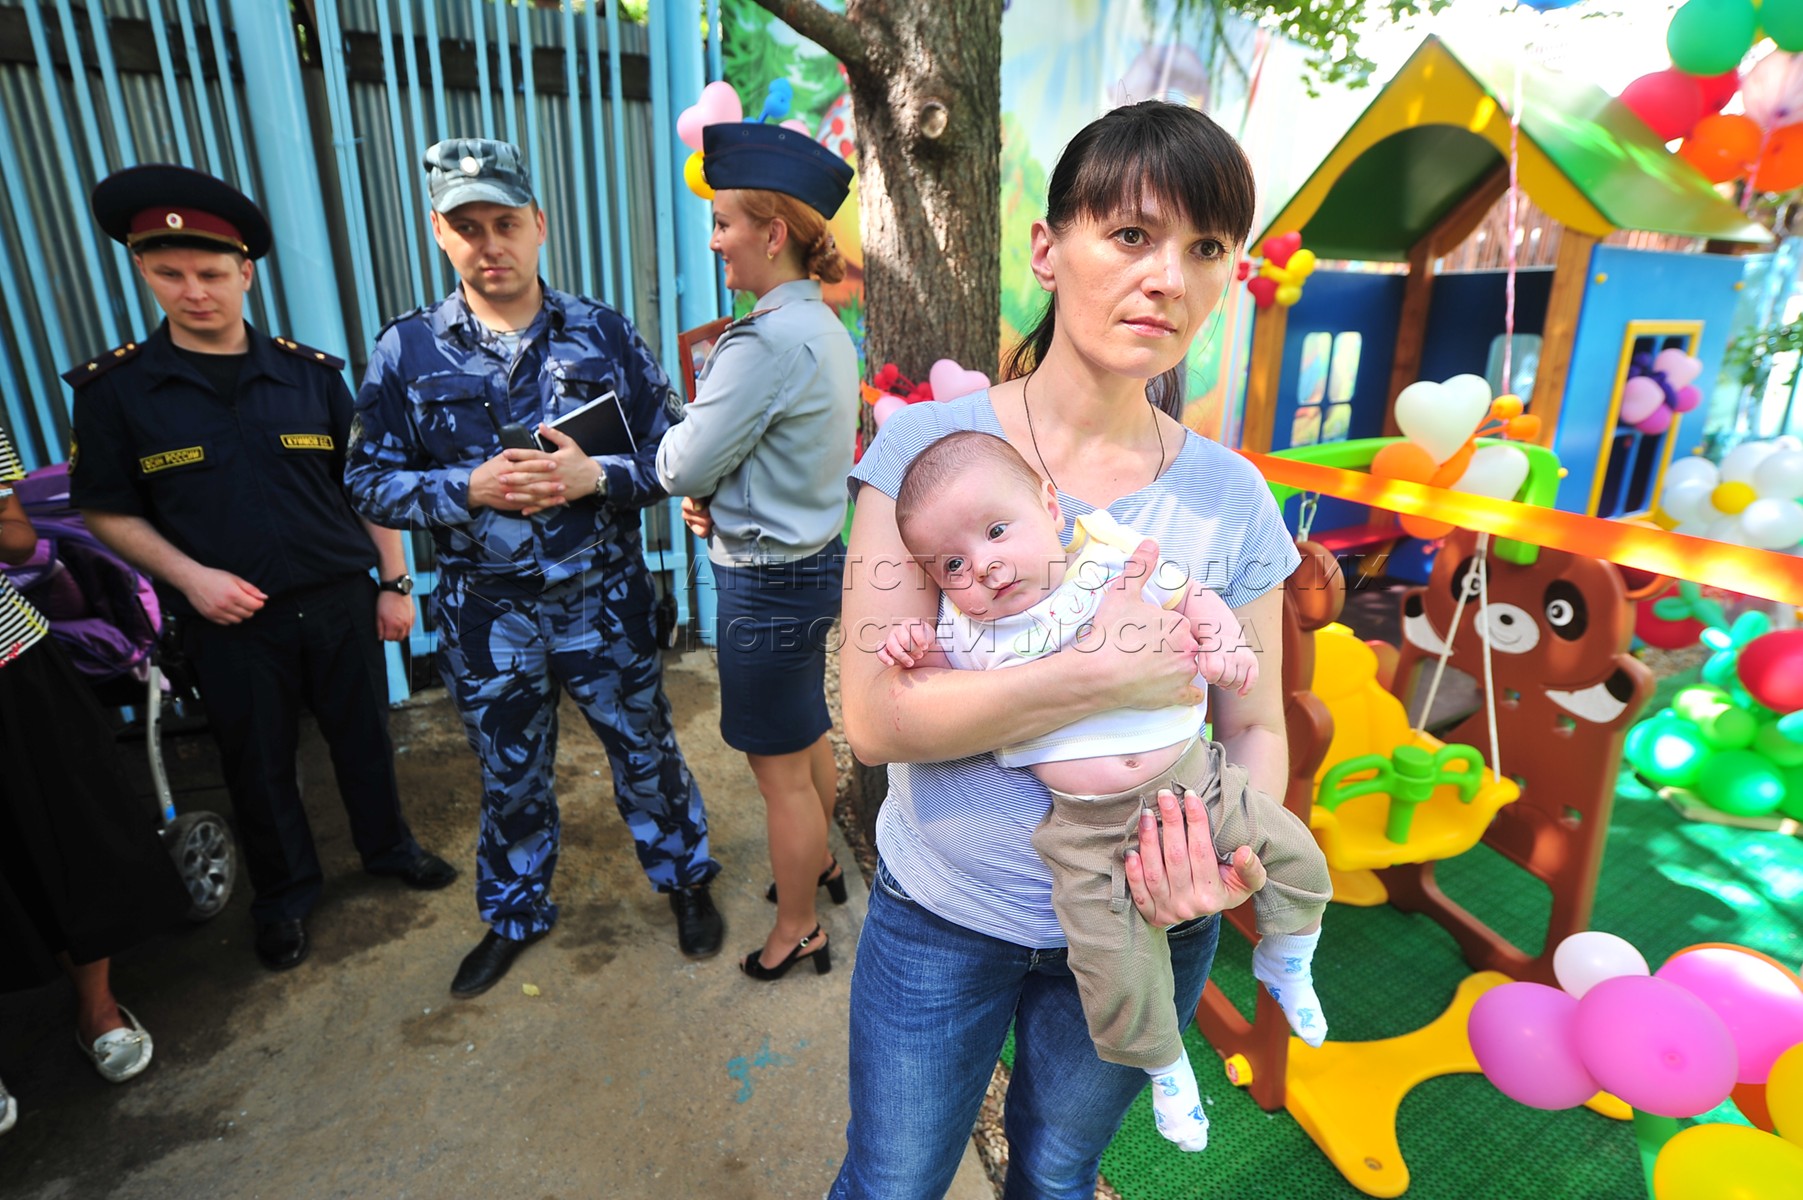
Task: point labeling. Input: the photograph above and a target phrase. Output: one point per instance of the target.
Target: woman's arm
(1137, 656)
(18, 540)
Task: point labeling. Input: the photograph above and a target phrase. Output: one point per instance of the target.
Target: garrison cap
(145, 206)
(470, 170)
(745, 154)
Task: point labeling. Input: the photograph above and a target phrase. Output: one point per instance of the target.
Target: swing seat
(1369, 720)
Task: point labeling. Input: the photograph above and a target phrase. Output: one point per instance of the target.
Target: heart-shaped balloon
(885, 408)
(1678, 367)
(1440, 417)
(1279, 247)
(1495, 471)
(718, 102)
(1640, 397)
(1264, 291)
(950, 380)
(799, 126)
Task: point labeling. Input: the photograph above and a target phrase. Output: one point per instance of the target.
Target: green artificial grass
(1666, 883)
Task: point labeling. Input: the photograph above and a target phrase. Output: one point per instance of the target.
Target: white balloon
(1695, 528)
(1688, 500)
(1470, 389)
(1584, 960)
(1440, 418)
(1728, 530)
(1780, 476)
(1772, 523)
(1497, 470)
(1694, 467)
(1744, 459)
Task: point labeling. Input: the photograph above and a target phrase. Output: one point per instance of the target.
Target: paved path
(632, 1073)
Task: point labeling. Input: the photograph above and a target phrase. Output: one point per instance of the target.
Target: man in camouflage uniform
(541, 578)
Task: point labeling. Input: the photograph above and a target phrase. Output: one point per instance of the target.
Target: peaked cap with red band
(147, 205)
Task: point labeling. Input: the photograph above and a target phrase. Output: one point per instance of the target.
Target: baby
(987, 529)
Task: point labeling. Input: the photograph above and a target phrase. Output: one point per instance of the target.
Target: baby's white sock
(1177, 1105)
(1283, 963)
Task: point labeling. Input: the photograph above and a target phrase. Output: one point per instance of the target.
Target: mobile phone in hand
(515, 436)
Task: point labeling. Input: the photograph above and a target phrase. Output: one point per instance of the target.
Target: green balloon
(1667, 750)
(1708, 37)
(1778, 748)
(1729, 729)
(1783, 23)
(1741, 783)
(1793, 793)
(1699, 703)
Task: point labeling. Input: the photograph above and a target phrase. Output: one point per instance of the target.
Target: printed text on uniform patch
(172, 458)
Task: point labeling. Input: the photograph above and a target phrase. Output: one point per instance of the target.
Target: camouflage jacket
(438, 389)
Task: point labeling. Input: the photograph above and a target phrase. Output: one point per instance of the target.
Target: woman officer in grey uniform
(762, 457)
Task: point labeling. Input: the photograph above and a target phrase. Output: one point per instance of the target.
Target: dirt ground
(632, 1073)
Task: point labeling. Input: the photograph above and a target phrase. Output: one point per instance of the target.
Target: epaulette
(101, 363)
(749, 317)
(309, 353)
(406, 316)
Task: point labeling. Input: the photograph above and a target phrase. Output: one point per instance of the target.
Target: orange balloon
(1750, 1099)
(1780, 165)
(1450, 470)
(1523, 428)
(1505, 407)
(1723, 147)
(1403, 460)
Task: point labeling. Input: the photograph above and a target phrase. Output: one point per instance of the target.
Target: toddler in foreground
(987, 529)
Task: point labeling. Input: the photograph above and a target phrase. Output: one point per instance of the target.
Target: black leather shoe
(483, 967)
(426, 873)
(282, 944)
(698, 924)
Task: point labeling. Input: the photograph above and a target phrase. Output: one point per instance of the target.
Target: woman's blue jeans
(931, 1003)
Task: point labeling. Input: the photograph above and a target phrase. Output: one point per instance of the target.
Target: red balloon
(1718, 89)
(1660, 633)
(1669, 101)
(1771, 669)
(1263, 289)
(1780, 165)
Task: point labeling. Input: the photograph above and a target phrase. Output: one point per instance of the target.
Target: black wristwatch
(402, 584)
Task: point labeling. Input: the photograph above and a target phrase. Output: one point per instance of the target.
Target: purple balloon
(1656, 422)
(1655, 1045)
(1761, 1005)
(1687, 399)
(1523, 1036)
(1640, 396)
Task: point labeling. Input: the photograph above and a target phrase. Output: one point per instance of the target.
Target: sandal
(120, 1053)
(822, 959)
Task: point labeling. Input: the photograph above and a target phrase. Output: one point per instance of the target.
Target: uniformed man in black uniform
(211, 456)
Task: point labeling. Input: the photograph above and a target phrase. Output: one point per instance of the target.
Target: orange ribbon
(1763, 573)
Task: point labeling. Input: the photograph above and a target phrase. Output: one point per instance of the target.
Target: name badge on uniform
(308, 441)
(172, 458)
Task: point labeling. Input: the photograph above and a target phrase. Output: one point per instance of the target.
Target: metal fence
(320, 110)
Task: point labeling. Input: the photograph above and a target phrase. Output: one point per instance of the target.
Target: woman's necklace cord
(1040, 454)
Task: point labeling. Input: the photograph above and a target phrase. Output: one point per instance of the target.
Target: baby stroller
(106, 617)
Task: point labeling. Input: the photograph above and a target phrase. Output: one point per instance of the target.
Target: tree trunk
(925, 78)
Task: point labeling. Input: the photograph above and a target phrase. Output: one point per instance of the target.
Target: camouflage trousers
(504, 652)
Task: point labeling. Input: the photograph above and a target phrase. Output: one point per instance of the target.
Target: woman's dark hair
(1175, 152)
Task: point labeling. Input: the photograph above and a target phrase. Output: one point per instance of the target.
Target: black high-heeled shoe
(821, 958)
(832, 879)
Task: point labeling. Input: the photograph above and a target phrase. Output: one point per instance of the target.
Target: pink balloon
(1655, 1045)
(1639, 397)
(887, 407)
(1772, 92)
(718, 102)
(1656, 422)
(1678, 367)
(798, 125)
(1687, 399)
(1522, 1034)
(951, 381)
(1761, 1005)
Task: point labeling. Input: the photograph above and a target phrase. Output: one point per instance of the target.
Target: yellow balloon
(1784, 1094)
(1732, 497)
(1302, 264)
(1271, 270)
(696, 178)
(1665, 520)
(1288, 294)
(1728, 1162)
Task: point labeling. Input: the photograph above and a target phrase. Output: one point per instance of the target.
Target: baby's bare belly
(1110, 773)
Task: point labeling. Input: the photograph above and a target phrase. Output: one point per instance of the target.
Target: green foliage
(752, 59)
(1324, 28)
(1023, 199)
(1749, 358)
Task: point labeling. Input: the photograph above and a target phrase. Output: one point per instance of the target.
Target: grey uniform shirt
(769, 434)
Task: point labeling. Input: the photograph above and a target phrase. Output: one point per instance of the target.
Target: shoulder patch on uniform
(749, 317)
(309, 353)
(100, 364)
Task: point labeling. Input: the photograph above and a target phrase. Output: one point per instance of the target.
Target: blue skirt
(773, 627)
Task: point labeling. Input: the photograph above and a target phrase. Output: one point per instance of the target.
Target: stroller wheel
(201, 846)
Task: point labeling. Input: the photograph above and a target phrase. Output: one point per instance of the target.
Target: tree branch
(833, 33)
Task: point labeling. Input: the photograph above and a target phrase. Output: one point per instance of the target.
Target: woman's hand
(696, 516)
(1145, 656)
(1175, 875)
